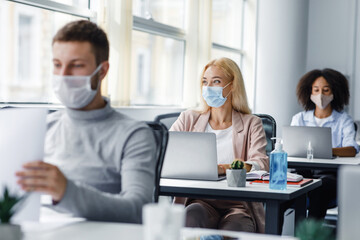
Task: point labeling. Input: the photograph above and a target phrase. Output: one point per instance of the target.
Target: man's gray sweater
(108, 160)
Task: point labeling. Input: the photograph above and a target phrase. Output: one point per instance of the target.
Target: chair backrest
(355, 126)
(269, 125)
(167, 119)
(161, 136)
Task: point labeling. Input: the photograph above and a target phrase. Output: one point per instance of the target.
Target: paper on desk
(22, 134)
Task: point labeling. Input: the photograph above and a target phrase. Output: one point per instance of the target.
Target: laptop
(191, 155)
(296, 140)
(348, 203)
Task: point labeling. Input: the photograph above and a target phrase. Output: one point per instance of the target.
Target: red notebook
(302, 183)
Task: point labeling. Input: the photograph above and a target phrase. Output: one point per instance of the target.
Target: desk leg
(272, 217)
(300, 208)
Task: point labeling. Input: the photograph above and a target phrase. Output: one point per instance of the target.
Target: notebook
(303, 182)
(296, 140)
(348, 203)
(264, 175)
(191, 155)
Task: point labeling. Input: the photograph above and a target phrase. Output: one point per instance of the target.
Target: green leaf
(7, 204)
(311, 229)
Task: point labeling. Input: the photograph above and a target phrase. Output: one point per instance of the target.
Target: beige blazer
(249, 142)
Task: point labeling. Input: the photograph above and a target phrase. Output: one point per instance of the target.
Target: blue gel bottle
(278, 166)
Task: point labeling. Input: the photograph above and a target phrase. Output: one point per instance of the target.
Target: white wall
(331, 41)
(281, 57)
(356, 83)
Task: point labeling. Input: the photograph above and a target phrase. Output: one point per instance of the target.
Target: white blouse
(321, 121)
(224, 143)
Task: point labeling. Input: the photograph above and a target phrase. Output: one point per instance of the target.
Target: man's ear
(104, 69)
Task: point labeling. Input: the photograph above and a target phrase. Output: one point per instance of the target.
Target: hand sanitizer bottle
(278, 166)
(310, 152)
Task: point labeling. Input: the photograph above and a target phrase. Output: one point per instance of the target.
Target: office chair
(161, 136)
(269, 125)
(167, 119)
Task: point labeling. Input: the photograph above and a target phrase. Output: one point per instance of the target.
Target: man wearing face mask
(99, 164)
(324, 94)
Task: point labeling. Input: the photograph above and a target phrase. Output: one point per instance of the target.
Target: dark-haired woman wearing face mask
(239, 135)
(324, 94)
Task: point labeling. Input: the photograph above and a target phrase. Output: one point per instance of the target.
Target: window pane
(75, 3)
(163, 11)
(218, 53)
(157, 70)
(227, 22)
(25, 54)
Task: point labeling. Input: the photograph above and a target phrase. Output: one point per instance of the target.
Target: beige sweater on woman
(249, 143)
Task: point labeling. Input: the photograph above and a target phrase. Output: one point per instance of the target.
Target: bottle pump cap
(278, 144)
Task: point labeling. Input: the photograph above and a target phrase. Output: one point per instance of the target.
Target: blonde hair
(231, 71)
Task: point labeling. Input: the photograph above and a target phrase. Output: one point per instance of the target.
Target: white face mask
(321, 100)
(75, 91)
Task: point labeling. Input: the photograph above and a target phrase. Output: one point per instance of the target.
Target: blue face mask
(213, 95)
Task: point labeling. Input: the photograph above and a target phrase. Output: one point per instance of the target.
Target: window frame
(150, 26)
(60, 7)
(232, 49)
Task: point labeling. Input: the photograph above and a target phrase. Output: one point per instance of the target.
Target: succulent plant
(237, 164)
(7, 204)
(311, 229)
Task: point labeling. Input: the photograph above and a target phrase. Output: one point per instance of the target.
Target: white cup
(163, 221)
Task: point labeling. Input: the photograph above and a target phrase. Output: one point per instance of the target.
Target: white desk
(115, 231)
(318, 163)
(275, 200)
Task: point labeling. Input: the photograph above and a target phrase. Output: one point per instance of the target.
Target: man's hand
(42, 177)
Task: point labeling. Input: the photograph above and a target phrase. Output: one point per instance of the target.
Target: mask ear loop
(230, 90)
(94, 73)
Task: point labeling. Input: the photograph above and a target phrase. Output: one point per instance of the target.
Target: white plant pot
(236, 177)
(10, 231)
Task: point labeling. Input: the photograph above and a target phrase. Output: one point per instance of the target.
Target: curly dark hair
(338, 85)
(85, 31)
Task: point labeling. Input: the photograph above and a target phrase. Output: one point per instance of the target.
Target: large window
(157, 47)
(158, 52)
(227, 27)
(27, 28)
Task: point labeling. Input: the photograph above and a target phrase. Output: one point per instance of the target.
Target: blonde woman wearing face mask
(324, 94)
(239, 134)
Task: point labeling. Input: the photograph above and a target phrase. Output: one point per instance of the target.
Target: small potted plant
(8, 204)
(236, 175)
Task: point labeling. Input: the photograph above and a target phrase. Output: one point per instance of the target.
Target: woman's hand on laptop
(42, 177)
(222, 168)
(248, 167)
